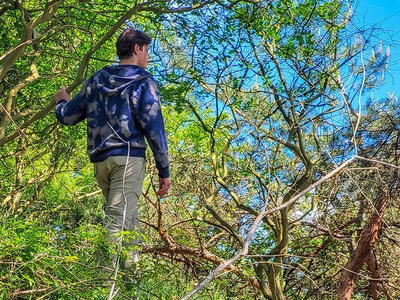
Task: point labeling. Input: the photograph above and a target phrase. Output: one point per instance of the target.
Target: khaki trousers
(110, 175)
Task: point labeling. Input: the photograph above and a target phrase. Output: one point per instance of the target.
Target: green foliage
(258, 104)
(51, 261)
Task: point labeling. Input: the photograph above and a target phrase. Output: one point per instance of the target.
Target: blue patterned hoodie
(121, 104)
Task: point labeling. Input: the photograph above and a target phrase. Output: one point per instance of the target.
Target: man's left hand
(163, 186)
(62, 95)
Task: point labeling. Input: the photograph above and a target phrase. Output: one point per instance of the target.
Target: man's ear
(136, 49)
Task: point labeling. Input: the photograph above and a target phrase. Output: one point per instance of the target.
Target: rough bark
(376, 279)
(365, 245)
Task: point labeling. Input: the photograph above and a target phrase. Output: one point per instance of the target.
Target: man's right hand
(62, 95)
(163, 186)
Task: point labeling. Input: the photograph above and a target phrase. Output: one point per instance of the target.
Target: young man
(122, 107)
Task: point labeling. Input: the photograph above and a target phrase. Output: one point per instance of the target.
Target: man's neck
(128, 61)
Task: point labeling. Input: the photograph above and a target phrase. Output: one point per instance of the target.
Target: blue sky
(386, 14)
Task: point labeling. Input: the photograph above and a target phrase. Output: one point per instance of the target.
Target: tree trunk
(365, 245)
(274, 281)
(376, 275)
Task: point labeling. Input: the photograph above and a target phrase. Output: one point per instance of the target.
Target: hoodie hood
(118, 78)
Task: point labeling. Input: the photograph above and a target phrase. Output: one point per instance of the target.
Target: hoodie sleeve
(151, 121)
(74, 111)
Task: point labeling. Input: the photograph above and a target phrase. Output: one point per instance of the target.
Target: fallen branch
(201, 254)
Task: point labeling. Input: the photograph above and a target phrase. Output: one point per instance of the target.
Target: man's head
(133, 44)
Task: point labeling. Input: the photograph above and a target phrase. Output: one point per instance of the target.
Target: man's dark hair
(127, 41)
